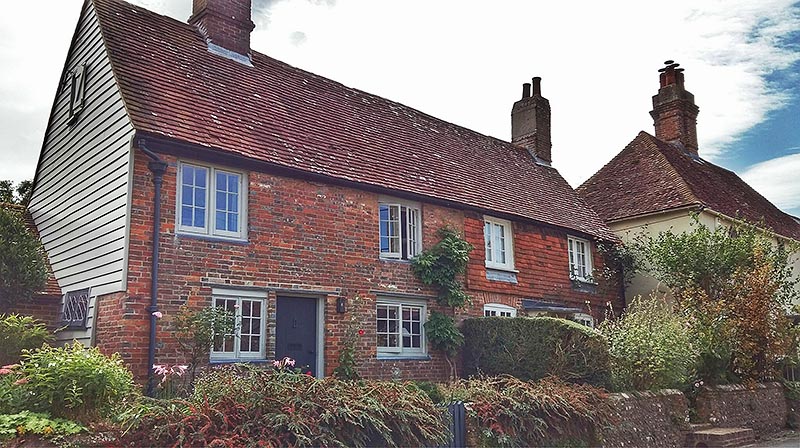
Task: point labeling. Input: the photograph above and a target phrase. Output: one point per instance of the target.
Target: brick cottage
(282, 196)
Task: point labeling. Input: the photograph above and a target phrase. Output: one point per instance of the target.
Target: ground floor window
(246, 341)
(583, 319)
(400, 330)
(498, 310)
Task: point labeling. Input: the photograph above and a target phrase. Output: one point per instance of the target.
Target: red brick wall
(306, 235)
(45, 308)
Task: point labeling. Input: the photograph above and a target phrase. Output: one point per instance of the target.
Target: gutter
(158, 167)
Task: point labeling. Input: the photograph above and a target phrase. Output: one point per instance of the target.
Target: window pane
(487, 238)
(199, 218)
(233, 203)
(200, 177)
(233, 223)
(221, 222)
(222, 200)
(222, 182)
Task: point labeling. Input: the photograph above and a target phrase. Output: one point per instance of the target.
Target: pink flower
(236, 306)
(361, 332)
(21, 381)
(5, 371)
(10, 366)
(160, 370)
(276, 363)
(308, 373)
(158, 314)
(179, 370)
(289, 361)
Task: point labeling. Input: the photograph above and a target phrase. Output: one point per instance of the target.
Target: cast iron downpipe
(158, 167)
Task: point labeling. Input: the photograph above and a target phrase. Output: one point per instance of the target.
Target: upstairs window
(499, 244)
(400, 230)
(211, 201)
(498, 310)
(580, 259)
(76, 309)
(77, 92)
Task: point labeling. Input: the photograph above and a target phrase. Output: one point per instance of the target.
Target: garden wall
(761, 407)
(653, 419)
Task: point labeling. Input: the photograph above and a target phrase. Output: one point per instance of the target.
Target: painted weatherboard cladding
(80, 198)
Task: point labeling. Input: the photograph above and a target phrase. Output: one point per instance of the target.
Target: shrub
(19, 333)
(23, 270)
(25, 422)
(650, 347)
(195, 330)
(244, 406)
(73, 381)
(533, 348)
(505, 411)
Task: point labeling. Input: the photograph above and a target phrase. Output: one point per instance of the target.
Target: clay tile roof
(51, 287)
(650, 175)
(279, 114)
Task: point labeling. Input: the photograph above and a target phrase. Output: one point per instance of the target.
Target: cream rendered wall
(677, 221)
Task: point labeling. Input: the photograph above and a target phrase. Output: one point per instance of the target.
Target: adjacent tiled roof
(282, 115)
(51, 287)
(650, 175)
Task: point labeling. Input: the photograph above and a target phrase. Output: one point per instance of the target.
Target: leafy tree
(23, 270)
(735, 286)
(23, 191)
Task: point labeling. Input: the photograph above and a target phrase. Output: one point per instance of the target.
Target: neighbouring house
(44, 305)
(282, 195)
(658, 183)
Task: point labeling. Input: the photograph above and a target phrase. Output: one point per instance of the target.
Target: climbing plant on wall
(440, 266)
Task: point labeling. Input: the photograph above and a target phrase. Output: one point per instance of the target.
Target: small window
(580, 259)
(211, 201)
(75, 313)
(498, 310)
(583, 319)
(247, 341)
(77, 92)
(400, 230)
(400, 328)
(499, 243)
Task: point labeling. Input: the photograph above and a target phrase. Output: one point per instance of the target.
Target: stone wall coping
(743, 387)
(644, 394)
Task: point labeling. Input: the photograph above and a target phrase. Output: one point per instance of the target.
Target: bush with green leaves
(533, 348)
(243, 405)
(195, 330)
(506, 411)
(73, 382)
(18, 333)
(26, 422)
(650, 346)
(23, 270)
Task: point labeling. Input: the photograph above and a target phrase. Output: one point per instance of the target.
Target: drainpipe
(158, 167)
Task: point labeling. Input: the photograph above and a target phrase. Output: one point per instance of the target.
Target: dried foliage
(247, 406)
(506, 411)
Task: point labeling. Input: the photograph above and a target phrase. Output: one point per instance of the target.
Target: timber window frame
(211, 201)
(399, 229)
(247, 342)
(498, 240)
(400, 328)
(498, 310)
(75, 310)
(580, 259)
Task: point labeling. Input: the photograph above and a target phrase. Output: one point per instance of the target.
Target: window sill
(403, 358)
(395, 260)
(501, 268)
(583, 286)
(212, 238)
(496, 275)
(583, 280)
(219, 362)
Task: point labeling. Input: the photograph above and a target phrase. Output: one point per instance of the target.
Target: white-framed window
(499, 243)
(580, 259)
(400, 229)
(583, 319)
(498, 310)
(400, 327)
(211, 201)
(75, 312)
(247, 340)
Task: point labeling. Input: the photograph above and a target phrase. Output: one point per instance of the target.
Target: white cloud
(464, 62)
(777, 180)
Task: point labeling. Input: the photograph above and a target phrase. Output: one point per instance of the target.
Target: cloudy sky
(465, 61)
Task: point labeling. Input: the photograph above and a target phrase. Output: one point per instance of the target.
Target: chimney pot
(537, 86)
(526, 90)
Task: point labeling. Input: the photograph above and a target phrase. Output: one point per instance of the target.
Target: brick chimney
(530, 122)
(674, 112)
(226, 24)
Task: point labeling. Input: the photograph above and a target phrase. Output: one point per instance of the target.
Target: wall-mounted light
(341, 305)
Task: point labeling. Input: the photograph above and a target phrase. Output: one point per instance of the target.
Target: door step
(719, 437)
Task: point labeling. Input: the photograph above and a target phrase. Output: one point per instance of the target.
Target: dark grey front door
(296, 331)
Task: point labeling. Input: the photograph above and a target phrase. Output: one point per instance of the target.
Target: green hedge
(533, 348)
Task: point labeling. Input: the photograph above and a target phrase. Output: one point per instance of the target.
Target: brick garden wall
(42, 307)
(761, 407)
(318, 239)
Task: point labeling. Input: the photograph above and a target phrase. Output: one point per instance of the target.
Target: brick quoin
(314, 236)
